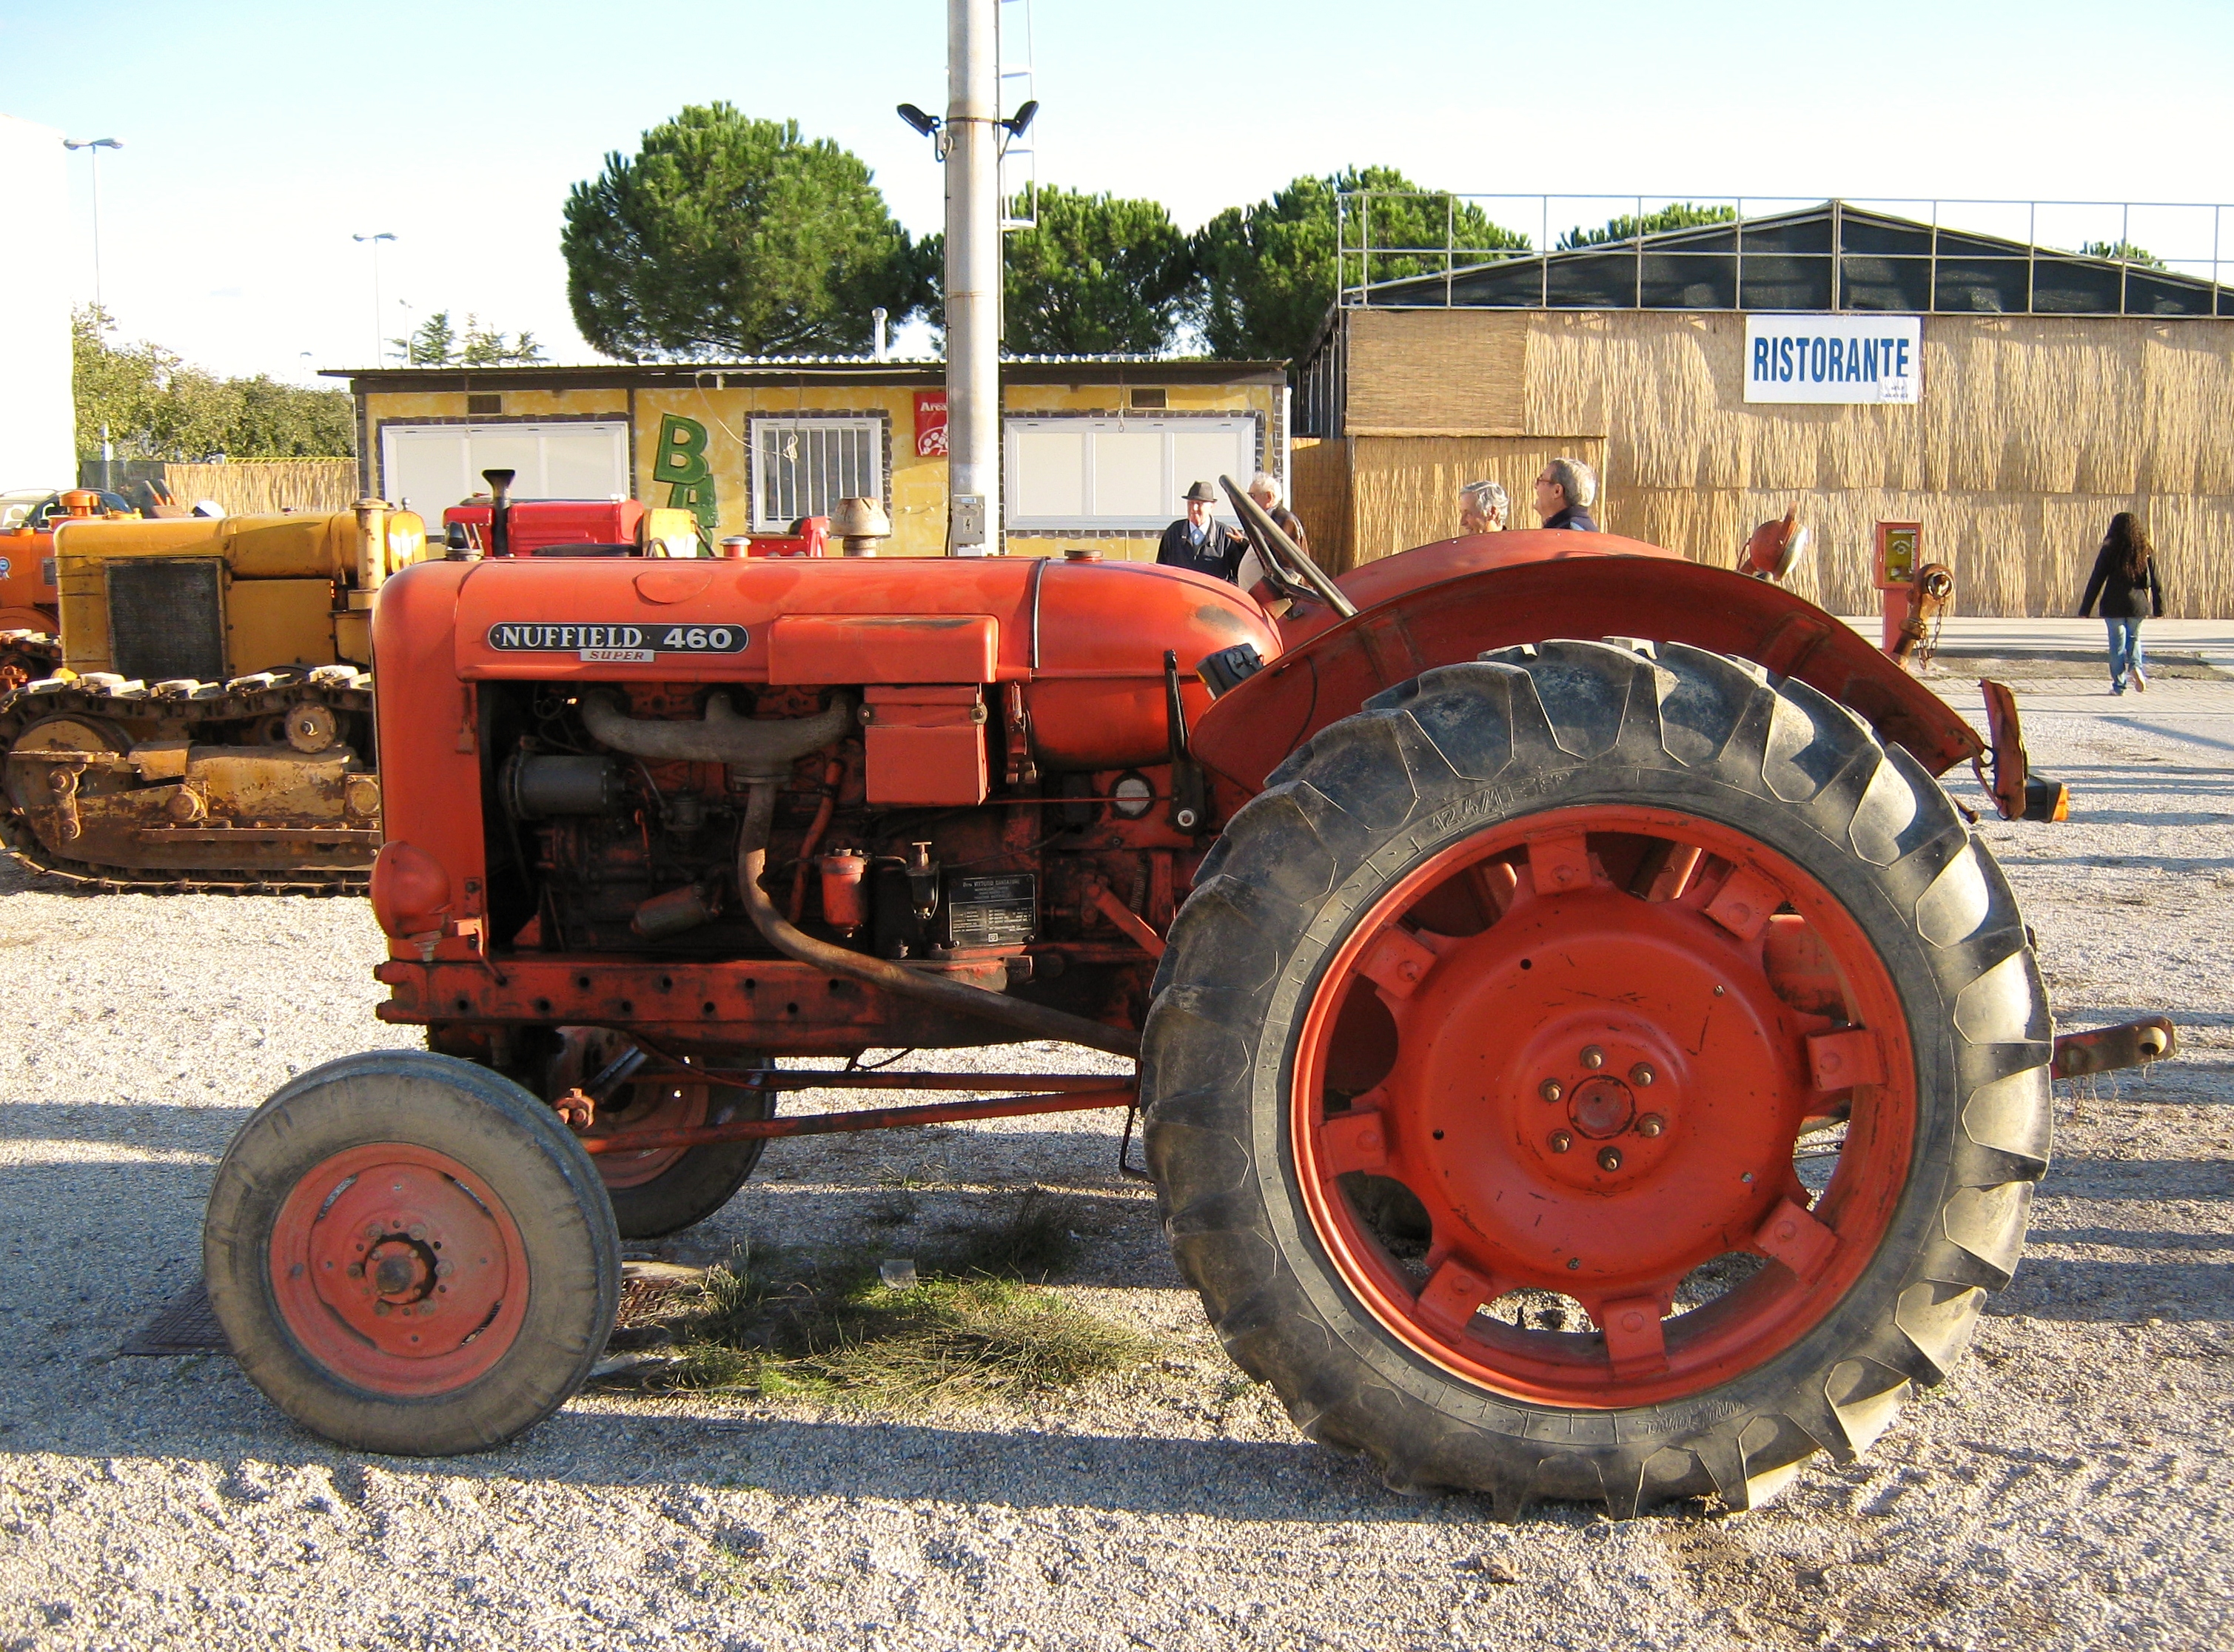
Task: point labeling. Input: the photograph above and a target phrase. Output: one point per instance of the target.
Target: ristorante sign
(1834, 358)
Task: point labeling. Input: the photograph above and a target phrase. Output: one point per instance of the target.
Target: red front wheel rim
(399, 1270)
(1593, 1051)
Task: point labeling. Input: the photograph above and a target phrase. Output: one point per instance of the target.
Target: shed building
(1093, 447)
(2052, 390)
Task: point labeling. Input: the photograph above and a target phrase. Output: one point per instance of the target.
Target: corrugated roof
(1833, 257)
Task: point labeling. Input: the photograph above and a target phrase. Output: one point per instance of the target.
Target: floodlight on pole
(96, 145)
(379, 348)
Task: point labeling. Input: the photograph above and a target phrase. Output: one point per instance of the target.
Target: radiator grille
(166, 618)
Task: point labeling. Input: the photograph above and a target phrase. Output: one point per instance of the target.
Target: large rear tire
(1490, 1049)
(410, 1254)
(665, 1190)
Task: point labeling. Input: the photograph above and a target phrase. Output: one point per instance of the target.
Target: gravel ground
(2068, 1488)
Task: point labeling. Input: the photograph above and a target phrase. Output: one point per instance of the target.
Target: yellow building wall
(713, 424)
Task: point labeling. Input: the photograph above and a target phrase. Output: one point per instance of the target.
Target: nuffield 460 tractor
(1583, 1053)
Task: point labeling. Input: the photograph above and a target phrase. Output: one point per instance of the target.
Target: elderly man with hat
(1200, 541)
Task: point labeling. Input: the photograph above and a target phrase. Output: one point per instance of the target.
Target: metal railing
(1964, 255)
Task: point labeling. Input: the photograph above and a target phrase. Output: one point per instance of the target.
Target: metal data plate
(995, 908)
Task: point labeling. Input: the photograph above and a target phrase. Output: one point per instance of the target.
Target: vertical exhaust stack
(371, 544)
(500, 485)
(973, 277)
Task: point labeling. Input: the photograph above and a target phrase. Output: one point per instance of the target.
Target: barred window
(802, 466)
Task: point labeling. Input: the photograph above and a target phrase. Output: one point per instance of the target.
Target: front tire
(410, 1254)
(1493, 1045)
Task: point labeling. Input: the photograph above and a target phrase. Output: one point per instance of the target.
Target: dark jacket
(1219, 553)
(2122, 598)
(1574, 517)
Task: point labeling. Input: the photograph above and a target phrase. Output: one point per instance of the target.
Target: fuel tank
(1085, 640)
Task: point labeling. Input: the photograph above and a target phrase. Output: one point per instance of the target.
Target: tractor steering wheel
(1287, 566)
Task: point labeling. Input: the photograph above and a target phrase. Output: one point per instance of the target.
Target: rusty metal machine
(210, 725)
(30, 605)
(206, 722)
(1583, 1051)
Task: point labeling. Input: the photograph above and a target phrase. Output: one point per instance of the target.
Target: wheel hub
(1602, 1108)
(1593, 1088)
(394, 1255)
(1579, 1194)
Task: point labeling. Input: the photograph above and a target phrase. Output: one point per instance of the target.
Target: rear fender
(1330, 673)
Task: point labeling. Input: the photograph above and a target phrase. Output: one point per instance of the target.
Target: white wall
(35, 417)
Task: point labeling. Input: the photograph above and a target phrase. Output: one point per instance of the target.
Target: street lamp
(377, 347)
(96, 145)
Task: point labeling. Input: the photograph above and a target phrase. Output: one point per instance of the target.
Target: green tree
(1095, 275)
(1676, 215)
(1267, 270)
(2122, 253)
(432, 342)
(725, 235)
(435, 343)
(155, 405)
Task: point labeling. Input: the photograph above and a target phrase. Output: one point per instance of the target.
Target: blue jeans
(2124, 649)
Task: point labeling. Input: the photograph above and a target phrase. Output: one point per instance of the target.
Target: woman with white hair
(1483, 508)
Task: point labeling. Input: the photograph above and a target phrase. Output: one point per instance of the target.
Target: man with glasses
(1565, 489)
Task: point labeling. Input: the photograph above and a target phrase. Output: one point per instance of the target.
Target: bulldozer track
(26, 656)
(180, 709)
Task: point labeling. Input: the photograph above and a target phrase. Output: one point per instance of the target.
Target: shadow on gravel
(883, 1461)
(2080, 1291)
(2129, 1239)
(2138, 1179)
(152, 1127)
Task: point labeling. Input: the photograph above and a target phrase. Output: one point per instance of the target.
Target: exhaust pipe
(500, 485)
(759, 746)
(1034, 1021)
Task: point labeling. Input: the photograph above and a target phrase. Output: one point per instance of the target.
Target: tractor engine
(976, 771)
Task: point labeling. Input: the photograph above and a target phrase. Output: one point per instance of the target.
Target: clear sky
(259, 136)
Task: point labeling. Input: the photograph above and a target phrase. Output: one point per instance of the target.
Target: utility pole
(379, 344)
(973, 277)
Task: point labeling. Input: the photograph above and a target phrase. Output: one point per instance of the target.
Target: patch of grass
(1033, 1241)
(842, 1337)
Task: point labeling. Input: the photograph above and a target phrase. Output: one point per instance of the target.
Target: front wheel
(410, 1254)
(1597, 1072)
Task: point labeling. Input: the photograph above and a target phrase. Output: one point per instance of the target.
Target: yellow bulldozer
(211, 727)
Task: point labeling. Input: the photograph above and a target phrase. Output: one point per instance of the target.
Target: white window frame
(764, 430)
(525, 486)
(1244, 424)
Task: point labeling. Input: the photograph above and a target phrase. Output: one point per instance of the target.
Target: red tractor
(1607, 1069)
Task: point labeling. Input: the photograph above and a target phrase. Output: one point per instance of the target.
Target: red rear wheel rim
(649, 1106)
(399, 1270)
(1588, 1044)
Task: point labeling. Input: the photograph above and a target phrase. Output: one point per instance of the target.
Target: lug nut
(1609, 1159)
(1641, 1075)
(1550, 1090)
(1650, 1125)
(1561, 1141)
(1593, 1057)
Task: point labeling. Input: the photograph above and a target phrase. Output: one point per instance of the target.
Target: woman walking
(2125, 580)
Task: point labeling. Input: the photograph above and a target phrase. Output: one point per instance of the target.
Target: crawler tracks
(245, 712)
(26, 656)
